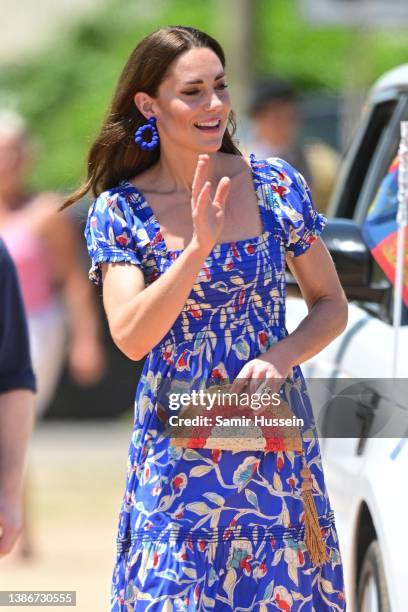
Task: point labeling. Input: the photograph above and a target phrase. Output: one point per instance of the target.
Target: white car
(366, 474)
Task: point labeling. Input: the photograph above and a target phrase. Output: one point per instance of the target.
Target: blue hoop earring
(154, 141)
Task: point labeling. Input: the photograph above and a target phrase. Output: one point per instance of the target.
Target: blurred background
(299, 71)
(60, 60)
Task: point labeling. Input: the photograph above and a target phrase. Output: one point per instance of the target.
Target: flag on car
(380, 228)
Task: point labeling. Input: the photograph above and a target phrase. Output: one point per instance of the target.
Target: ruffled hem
(110, 255)
(309, 236)
(276, 533)
(240, 574)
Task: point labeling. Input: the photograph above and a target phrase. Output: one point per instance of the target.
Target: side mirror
(350, 253)
(353, 261)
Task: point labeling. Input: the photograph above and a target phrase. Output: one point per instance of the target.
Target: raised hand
(207, 215)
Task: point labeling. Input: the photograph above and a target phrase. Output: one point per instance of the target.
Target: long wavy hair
(114, 156)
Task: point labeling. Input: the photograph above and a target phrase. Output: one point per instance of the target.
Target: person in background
(58, 301)
(276, 125)
(17, 389)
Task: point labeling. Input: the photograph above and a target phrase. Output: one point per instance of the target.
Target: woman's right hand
(207, 215)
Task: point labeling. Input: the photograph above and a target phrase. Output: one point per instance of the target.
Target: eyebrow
(197, 81)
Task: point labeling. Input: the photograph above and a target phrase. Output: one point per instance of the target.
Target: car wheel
(372, 588)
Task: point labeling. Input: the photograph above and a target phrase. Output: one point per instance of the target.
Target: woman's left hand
(267, 372)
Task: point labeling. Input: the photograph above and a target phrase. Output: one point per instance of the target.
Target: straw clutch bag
(236, 426)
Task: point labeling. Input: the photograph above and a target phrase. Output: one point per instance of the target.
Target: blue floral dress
(203, 529)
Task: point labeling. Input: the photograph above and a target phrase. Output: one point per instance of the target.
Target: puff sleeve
(298, 220)
(113, 233)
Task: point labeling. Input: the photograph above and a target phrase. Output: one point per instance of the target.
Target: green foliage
(65, 92)
(325, 58)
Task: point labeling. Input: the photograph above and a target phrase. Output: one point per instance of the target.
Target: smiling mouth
(208, 126)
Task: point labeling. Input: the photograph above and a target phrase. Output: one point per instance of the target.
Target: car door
(367, 346)
(365, 349)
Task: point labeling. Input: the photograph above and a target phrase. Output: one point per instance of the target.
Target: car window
(356, 166)
(382, 158)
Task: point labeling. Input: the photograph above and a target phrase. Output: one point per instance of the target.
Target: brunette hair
(114, 156)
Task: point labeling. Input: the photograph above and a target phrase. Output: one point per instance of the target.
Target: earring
(154, 141)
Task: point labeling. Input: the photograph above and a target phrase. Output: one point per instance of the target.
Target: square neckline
(219, 246)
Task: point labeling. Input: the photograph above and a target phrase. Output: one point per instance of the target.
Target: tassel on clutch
(313, 536)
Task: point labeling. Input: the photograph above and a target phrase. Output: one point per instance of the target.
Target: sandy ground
(78, 476)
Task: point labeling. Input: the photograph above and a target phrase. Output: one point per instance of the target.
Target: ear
(144, 103)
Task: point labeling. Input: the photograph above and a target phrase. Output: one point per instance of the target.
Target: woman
(189, 240)
(43, 246)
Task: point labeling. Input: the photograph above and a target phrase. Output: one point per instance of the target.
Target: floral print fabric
(203, 529)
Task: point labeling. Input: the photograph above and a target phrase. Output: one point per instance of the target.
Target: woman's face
(194, 92)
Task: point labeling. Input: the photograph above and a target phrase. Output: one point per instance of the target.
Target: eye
(192, 92)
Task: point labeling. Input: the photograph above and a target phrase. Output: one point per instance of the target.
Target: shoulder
(232, 165)
(115, 204)
(146, 180)
(280, 172)
(275, 167)
(120, 195)
(238, 169)
(287, 174)
(41, 207)
(297, 219)
(113, 218)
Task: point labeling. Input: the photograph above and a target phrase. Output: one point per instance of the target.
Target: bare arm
(77, 291)
(140, 317)
(16, 425)
(327, 318)
(327, 304)
(86, 356)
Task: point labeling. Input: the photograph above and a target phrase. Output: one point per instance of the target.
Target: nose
(214, 102)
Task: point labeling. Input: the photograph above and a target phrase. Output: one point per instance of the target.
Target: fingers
(222, 191)
(238, 384)
(254, 383)
(199, 183)
(199, 177)
(203, 196)
(266, 386)
(270, 385)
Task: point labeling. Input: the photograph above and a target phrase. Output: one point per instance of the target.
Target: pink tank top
(32, 261)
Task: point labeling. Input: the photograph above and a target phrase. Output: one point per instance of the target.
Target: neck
(177, 168)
